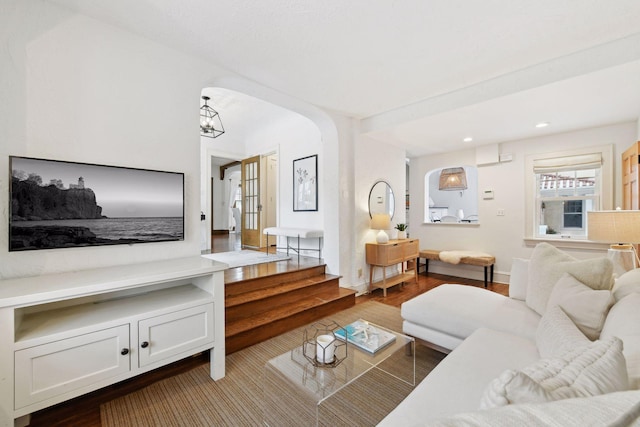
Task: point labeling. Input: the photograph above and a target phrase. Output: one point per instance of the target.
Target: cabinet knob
(145, 344)
(124, 351)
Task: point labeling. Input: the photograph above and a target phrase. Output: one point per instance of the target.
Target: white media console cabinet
(64, 335)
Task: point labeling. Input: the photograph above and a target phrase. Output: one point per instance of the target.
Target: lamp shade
(381, 222)
(614, 226)
(452, 179)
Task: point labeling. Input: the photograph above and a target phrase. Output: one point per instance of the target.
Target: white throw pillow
(609, 410)
(557, 334)
(599, 368)
(513, 387)
(627, 284)
(518, 278)
(587, 308)
(623, 321)
(548, 264)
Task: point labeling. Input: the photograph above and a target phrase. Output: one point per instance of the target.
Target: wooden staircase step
(265, 298)
(251, 330)
(256, 283)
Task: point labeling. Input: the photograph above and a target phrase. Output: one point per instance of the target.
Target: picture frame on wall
(305, 184)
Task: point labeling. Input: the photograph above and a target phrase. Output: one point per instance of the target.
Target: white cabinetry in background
(68, 334)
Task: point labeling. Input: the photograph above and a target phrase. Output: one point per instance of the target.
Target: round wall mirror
(381, 200)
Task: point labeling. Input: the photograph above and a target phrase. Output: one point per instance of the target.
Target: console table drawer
(412, 249)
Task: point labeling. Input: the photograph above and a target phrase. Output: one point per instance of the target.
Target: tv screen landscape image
(57, 204)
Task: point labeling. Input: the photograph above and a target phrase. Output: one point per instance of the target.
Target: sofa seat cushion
(458, 382)
(458, 310)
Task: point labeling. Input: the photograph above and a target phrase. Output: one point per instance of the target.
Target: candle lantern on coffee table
(320, 345)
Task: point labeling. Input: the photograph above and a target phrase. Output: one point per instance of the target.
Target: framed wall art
(305, 184)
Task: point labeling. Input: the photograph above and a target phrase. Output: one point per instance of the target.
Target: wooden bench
(487, 262)
(297, 233)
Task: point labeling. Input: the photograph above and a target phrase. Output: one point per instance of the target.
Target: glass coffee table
(361, 390)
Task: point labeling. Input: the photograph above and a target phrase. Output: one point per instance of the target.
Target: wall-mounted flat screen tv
(57, 204)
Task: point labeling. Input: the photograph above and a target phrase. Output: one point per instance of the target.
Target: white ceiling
(422, 74)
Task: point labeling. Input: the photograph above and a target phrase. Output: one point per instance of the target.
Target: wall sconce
(452, 179)
(210, 123)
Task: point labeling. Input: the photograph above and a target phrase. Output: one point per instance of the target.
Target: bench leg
(485, 276)
(267, 244)
(490, 276)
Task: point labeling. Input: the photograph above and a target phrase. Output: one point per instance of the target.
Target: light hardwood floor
(84, 411)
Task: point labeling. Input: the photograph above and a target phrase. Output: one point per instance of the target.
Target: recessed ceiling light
(468, 139)
(542, 124)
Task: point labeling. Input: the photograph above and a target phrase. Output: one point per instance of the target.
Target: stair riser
(263, 332)
(270, 281)
(259, 306)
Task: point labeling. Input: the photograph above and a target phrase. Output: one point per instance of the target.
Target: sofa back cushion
(548, 264)
(519, 278)
(623, 322)
(627, 284)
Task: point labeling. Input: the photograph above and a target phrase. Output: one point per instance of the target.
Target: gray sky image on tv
(122, 192)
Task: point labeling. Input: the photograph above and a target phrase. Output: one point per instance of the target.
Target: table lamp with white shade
(381, 222)
(621, 228)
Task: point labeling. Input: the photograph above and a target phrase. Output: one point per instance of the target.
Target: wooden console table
(389, 254)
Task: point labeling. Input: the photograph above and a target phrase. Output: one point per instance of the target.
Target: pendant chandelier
(452, 179)
(210, 123)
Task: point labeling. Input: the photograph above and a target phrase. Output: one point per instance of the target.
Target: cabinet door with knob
(69, 364)
(173, 333)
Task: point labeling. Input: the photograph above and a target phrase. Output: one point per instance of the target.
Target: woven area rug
(245, 257)
(194, 399)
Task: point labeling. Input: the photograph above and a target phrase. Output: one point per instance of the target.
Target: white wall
(78, 90)
(502, 236)
(375, 161)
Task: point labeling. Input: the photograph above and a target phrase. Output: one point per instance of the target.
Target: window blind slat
(559, 164)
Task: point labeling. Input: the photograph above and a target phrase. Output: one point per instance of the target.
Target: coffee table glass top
(301, 386)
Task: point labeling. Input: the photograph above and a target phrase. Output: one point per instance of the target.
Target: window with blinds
(566, 188)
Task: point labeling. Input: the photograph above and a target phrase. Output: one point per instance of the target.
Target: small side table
(389, 254)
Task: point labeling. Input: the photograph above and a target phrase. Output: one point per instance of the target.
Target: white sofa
(522, 358)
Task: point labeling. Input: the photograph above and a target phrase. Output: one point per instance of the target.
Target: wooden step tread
(254, 283)
(286, 310)
(264, 293)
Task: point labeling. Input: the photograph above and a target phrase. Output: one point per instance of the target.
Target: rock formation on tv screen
(31, 201)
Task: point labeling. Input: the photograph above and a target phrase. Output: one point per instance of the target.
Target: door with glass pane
(630, 177)
(251, 202)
